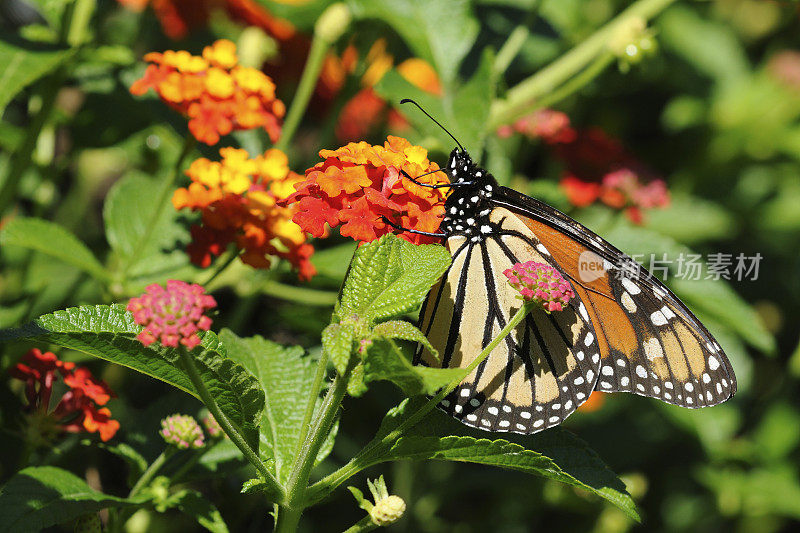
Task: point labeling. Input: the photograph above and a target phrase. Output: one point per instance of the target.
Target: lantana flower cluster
(213, 91)
(542, 283)
(239, 200)
(359, 184)
(597, 167)
(79, 408)
(182, 431)
(173, 314)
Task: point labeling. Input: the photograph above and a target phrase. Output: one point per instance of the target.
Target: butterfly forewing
(542, 371)
(651, 344)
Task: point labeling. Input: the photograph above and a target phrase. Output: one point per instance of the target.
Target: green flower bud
(333, 22)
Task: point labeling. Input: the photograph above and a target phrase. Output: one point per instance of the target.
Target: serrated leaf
(553, 454)
(439, 32)
(389, 277)
(127, 212)
(400, 329)
(195, 505)
(285, 375)
(337, 341)
(257, 486)
(53, 240)
(23, 62)
(108, 332)
(385, 361)
(39, 497)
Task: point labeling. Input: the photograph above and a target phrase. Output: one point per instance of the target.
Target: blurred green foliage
(714, 111)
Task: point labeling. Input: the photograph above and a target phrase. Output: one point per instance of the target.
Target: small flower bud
(213, 428)
(182, 431)
(388, 510)
(333, 22)
(538, 282)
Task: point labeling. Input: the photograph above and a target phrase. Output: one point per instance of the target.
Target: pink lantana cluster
(213, 428)
(172, 315)
(182, 431)
(540, 283)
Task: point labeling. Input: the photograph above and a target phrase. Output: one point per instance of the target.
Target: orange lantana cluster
(214, 91)
(359, 184)
(239, 200)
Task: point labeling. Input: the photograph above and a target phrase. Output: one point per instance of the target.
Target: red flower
(359, 184)
(77, 409)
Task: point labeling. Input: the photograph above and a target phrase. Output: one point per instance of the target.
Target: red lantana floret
(172, 315)
(359, 186)
(78, 409)
(538, 282)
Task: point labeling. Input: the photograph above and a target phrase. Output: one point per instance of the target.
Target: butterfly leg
(414, 231)
(429, 186)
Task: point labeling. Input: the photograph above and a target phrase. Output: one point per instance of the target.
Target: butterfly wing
(650, 342)
(542, 371)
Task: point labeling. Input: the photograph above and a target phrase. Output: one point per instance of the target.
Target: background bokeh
(713, 110)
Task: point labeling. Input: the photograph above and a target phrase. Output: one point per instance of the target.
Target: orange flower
(359, 184)
(217, 94)
(238, 198)
(179, 17)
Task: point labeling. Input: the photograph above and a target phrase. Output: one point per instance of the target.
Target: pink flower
(538, 282)
(182, 431)
(172, 315)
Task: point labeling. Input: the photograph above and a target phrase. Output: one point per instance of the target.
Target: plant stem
(308, 81)
(299, 295)
(161, 200)
(362, 526)
(232, 255)
(151, 471)
(227, 426)
(510, 48)
(289, 514)
(316, 385)
(320, 489)
(577, 83)
(520, 97)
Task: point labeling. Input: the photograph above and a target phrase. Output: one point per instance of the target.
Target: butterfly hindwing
(542, 371)
(651, 344)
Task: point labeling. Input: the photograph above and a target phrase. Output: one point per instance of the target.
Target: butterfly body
(623, 332)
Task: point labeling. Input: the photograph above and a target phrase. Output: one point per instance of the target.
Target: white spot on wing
(630, 286)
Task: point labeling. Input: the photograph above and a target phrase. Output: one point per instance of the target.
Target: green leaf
(385, 361)
(360, 499)
(195, 505)
(39, 497)
(108, 332)
(337, 341)
(285, 375)
(23, 62)
(51, 239)
(465, 114)
(439, 32)
(127, 211)
(400, 329)
(553, 454)
(389, 277)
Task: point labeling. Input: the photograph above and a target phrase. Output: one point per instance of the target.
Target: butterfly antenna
(409, 100)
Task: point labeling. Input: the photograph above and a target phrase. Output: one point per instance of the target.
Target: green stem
(308, 80)
(232, 255)
(520, 97)
(510, 48)
(227, 426)
(76, 20)
(316, 386)
(289, 514)
(362, 526)
(320, 489)
(151, 471)
(299, 295)
(160, 203)
(575, 84)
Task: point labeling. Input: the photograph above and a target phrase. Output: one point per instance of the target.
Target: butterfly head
(460, 166)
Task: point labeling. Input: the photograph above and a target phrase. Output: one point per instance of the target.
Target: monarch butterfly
(623, 332)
